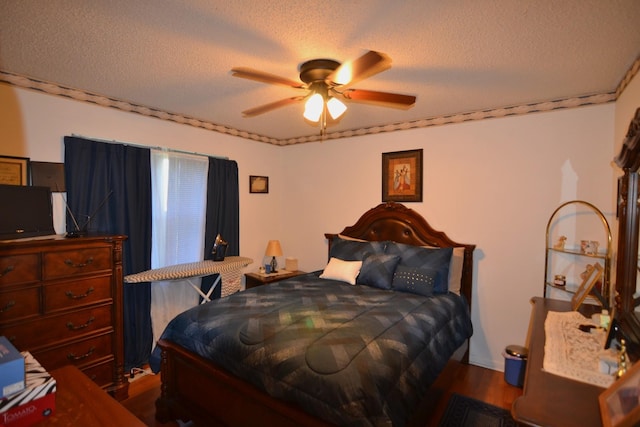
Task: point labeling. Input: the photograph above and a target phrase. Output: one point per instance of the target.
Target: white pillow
(344, 271)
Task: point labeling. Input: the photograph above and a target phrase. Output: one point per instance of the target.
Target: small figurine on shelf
(559, 280)
(589, 247)
(560, 244)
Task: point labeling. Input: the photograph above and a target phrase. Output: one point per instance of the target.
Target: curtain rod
(172, 150)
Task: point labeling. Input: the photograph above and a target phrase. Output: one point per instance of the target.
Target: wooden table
(548, 399)
(80, 402)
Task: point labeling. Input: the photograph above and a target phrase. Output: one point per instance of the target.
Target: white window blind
(179, 197)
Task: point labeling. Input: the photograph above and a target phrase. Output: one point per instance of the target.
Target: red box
(35, 403)
(29, 413)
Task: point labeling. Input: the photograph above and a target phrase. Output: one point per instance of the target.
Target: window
(179, 200)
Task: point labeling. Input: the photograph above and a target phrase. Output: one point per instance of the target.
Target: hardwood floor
(143, 392)
(473, 381)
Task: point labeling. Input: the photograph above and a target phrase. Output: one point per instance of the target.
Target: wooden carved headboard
(396, 222)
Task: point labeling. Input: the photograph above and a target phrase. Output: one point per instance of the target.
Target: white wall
(33, 125)
(493, 183)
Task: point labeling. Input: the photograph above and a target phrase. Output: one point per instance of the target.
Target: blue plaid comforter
(351, 355)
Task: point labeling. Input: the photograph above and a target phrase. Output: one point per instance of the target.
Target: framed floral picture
(402, 176)
(14, 170)
(620, 403)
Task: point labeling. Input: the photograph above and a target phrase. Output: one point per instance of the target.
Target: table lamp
(273, 250)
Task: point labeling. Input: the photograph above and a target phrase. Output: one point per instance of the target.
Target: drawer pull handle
(72, 327)
(86, 294)
(7, 270)
(75, 358)
(79, 265)
(7, 306)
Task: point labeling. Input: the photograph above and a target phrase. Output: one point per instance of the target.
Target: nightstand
(255, 279)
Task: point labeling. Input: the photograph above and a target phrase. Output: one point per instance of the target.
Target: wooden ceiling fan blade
(271, 106)
(260, 76)
(365, 66)
(389, 99)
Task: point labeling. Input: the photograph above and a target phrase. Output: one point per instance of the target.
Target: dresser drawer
(63, 327)
(17, 269)
(101, 374)
(76, 262)
(75, 293)
(76, 353)
(19, 304)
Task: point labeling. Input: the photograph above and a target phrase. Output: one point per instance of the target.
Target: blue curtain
(112, 184)
(222, 216)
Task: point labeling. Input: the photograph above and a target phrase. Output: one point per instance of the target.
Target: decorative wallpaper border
(84, 96)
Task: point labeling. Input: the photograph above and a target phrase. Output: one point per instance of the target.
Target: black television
(25, 211)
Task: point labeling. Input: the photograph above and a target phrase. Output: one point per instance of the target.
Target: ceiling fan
(326, 82)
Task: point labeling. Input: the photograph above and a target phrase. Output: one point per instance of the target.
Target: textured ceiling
(457, 56)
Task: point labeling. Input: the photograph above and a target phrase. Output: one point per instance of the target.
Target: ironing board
(229, 270)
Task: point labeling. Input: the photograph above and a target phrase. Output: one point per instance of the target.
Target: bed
(357, 343)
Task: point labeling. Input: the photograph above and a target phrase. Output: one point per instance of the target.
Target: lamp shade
(273, 248)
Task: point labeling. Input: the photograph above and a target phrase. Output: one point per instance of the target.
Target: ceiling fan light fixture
(336, 107)
(322, 79)
(313, 107)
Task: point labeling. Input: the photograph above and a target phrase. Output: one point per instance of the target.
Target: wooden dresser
(548, 399)
(61, 299)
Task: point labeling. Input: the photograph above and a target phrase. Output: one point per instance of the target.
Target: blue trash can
(515, 364)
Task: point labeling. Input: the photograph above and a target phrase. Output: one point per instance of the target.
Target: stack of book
(27, 390)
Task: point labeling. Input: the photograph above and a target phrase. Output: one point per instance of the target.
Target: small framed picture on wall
(14, 170)
(402, 176)
(258, 184)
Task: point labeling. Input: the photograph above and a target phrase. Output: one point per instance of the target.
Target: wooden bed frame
(195, 389)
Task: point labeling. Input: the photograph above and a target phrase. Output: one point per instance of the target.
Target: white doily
(572, 353)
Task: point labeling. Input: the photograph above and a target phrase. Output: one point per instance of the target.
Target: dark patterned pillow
(377, 270)
(416, 280)
(354, 250)
(420, 257)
